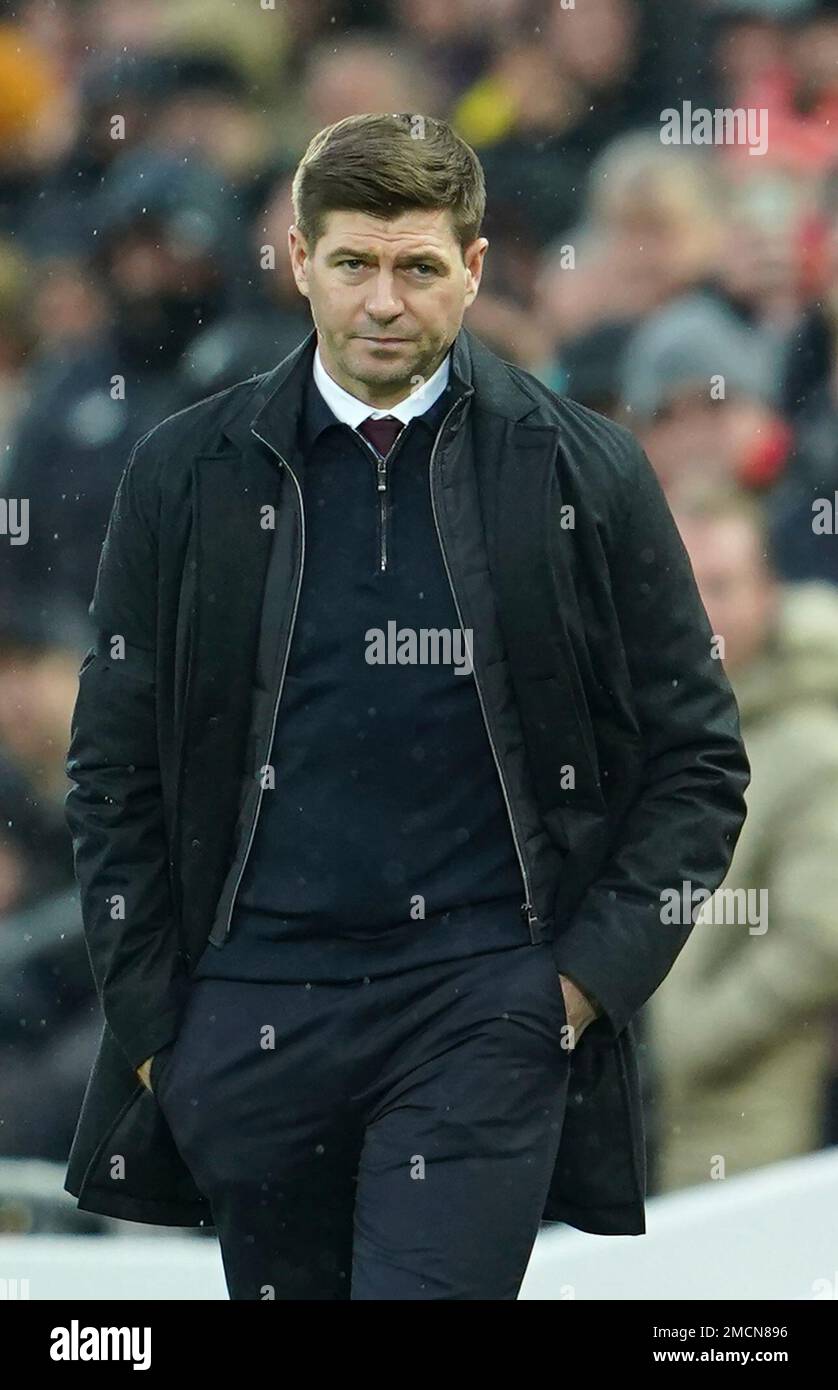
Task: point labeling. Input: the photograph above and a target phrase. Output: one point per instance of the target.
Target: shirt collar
(321, 409)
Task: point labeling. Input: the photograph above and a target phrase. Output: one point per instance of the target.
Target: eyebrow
(411, 258)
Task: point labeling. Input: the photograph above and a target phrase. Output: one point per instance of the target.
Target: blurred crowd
(688, 290)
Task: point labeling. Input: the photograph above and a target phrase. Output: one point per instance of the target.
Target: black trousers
(386, 1139)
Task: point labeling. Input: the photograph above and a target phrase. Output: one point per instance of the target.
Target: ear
(298, 253)
(473, 258)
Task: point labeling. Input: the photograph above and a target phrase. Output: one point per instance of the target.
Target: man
(697, 388)
(401, 716)
(161, 249)
(741, 1031)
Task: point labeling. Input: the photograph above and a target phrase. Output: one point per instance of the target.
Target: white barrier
(770, 1234)
(72, 1268)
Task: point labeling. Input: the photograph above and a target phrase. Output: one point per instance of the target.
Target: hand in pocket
(154, 1063)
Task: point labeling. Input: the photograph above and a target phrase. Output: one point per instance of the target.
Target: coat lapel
(535, 578)
(518, 473)
(232, 488)
(232, 554)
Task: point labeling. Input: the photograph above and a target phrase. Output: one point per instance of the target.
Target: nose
(383, 303)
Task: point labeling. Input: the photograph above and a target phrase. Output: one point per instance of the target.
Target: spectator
(274, 321)
(740, 1030)
(50, 1024)
(367, 73)
(699, 391)
(34, 856)
(652, 231)
(165, 231)
(797, 86)
(40, 649)
(810, 398)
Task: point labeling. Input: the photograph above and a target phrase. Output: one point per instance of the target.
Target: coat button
(213, 720)
(196, 844)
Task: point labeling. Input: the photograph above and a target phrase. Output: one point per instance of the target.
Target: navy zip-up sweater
(385, 841)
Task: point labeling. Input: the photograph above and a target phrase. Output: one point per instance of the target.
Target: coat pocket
(601, 1158)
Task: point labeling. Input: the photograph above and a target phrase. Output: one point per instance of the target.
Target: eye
(351, 261)
(424, 265)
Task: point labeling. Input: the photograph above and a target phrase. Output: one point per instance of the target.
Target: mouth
(387, 342)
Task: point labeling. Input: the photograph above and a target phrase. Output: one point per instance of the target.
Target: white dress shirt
(352, 411)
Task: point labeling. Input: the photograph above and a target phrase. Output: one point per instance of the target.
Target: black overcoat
(614, 727)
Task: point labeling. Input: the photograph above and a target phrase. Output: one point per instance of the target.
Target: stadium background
(146, 152)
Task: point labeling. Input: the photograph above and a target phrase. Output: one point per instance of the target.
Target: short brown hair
(385, 165)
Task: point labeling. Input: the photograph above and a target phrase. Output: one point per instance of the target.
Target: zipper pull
(532, 920)
(382, 475)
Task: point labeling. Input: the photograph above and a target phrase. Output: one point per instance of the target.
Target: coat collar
(273, 408)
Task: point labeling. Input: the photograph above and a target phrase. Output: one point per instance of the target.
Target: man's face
(736, 587)
(147, 265)
(387, 297)
(163, 290)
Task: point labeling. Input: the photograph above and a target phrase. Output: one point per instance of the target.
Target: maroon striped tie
(381, 433)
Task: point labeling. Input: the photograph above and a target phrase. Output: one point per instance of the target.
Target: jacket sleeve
(115, 807)
(684, 822)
